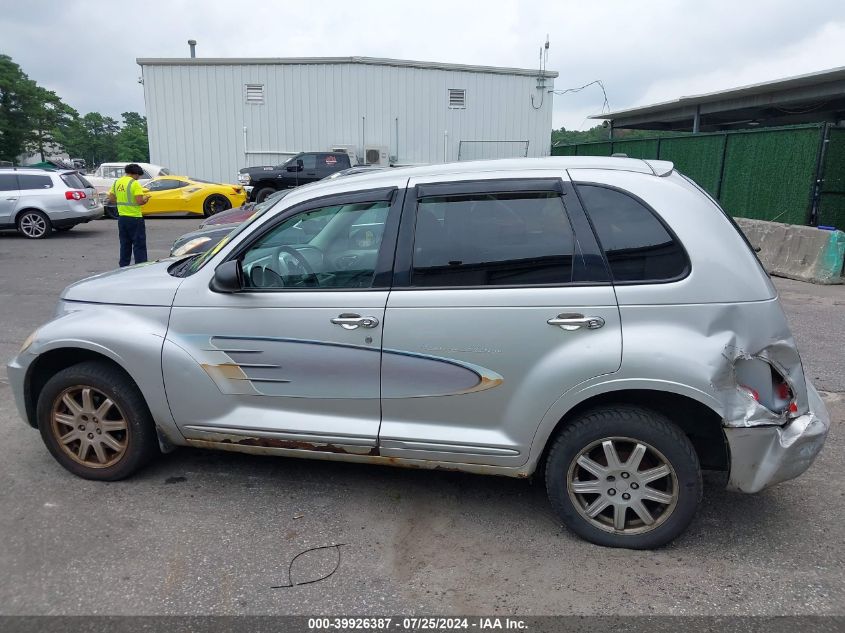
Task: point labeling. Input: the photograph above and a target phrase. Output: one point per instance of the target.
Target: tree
(18, 95)
(132, 143)
(49, 116)
(600, 133)
(35, 119)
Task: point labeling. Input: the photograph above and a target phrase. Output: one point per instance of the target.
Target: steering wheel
(302, 264)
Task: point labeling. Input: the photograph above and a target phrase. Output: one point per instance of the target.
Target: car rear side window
(512, 239)
(31, 181)
(638, 247)
(73, 181)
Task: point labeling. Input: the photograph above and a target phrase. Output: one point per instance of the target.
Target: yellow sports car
(179, 194)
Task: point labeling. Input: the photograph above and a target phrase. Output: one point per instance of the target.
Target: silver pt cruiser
(599, 322)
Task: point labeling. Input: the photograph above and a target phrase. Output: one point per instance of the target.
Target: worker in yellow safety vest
(129, 196)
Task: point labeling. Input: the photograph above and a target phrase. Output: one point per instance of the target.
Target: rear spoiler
(660, 167)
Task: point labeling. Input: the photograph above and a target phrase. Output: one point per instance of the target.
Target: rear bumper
(72, 218)
(766, 455)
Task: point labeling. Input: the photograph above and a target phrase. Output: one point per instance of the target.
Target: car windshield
(199, 261)
(287, 161)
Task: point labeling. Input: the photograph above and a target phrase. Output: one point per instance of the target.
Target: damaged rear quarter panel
(699, 344)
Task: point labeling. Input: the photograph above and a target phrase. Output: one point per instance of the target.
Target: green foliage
(34, 119)
(132, 143)
(600, 133)
(17, 103)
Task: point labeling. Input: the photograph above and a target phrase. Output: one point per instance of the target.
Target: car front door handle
(352, 321)
(571, 322)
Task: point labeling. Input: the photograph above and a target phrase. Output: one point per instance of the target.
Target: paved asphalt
(204, 532)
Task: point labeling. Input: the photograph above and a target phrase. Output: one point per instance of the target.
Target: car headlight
(189, 246)
(244, 178)
(29, 340)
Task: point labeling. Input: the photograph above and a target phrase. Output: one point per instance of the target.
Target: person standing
(127, 193)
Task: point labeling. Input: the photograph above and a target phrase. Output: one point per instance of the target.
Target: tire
(627, 428)
(214, 204)
(261, 194)
(127, 422)
(110, 212)
(34, 224)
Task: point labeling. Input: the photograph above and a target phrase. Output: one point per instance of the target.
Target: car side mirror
(228, 277)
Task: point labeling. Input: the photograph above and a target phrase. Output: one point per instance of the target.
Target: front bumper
(766, 455)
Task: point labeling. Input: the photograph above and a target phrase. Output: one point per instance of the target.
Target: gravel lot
(205, 532)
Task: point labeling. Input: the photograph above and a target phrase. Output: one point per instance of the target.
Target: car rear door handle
(571, 322)
(351, 321)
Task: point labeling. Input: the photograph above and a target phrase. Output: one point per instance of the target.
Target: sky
(644, 51)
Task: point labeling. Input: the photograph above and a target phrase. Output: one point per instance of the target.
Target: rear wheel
(34, 224)
(623, 476)
(215, 204)
(94, 421)
(262, 193)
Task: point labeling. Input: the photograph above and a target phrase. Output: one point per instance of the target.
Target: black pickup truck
(298, 170)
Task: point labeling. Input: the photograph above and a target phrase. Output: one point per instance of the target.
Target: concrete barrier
(797, 252)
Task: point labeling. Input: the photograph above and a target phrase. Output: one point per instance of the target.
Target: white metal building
(208, 117)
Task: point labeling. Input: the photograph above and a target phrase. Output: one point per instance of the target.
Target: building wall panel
(197, 113)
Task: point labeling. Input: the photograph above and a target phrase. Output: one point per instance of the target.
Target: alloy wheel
(89, 427)
(33, 225)
(622, 485)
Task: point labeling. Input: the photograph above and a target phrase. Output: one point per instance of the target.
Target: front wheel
(624, 476)
(94, 421)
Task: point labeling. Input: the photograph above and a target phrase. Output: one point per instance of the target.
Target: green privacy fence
(831, 196)
(792, 174)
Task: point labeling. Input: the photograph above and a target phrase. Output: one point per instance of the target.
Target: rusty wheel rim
(89, 427)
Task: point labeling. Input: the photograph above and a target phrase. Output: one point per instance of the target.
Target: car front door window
(328, 248)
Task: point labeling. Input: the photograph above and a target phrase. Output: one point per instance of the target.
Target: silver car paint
(51, 201)
(146, 284)
(683, 337)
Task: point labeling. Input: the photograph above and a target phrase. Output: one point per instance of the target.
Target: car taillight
(74, 195)
(752, 392)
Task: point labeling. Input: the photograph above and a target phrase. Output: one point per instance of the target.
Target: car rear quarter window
(638, 246)
(8, 182)
(512, 239)
(31, 181)
(73, 181)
